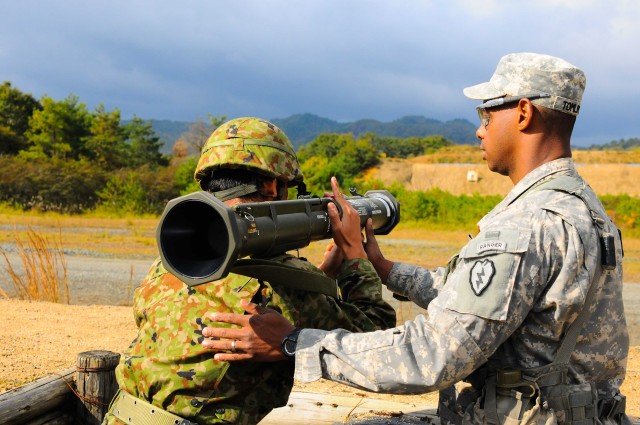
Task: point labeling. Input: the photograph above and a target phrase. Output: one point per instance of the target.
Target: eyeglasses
(483, 113)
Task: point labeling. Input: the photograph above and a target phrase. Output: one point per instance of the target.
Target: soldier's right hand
(346, 230)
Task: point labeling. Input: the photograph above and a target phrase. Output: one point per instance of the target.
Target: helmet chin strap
(236, 192)
(247, 189)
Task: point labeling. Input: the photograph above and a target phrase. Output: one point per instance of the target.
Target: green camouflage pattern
(253, 144)
(167, 365)
(520, 74)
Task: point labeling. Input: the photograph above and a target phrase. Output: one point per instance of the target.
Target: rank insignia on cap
(481, 274)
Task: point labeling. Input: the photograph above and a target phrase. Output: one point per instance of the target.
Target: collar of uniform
(545, 170)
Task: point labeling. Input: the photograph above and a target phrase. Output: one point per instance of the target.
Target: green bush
(395, 147)
(442, 208)
(337, 155)
(623, 209)
(145, 190)
(76, 186)
(66, 186)
(183, 176)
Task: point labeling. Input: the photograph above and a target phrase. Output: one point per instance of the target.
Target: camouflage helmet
(253, 144)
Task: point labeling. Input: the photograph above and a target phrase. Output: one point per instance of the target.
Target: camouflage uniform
(167, 365)
(506, 298)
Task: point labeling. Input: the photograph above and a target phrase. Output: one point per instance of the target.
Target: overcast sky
(340, 59)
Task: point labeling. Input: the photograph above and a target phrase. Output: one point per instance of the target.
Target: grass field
(120, 237)
(608, 172)
(467, 154)
(135, 237)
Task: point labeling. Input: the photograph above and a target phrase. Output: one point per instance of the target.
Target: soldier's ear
(525, 114)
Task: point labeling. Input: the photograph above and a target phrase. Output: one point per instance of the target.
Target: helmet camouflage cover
(253, 144)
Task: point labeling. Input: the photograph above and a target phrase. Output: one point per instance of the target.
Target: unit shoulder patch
(481, 274)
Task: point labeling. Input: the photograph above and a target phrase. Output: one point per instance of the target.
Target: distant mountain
(170, 131)
(303, 128)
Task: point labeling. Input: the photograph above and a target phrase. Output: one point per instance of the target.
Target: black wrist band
(289, 343)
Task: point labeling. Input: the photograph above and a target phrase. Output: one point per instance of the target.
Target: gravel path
(92, 280)
(111, 281)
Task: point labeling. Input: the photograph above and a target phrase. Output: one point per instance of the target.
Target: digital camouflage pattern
(532, 73)
(253, 144)
(167, 365)
(504, 301)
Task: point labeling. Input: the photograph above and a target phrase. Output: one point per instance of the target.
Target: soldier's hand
(259, 337)
(331, 260)
(346, 232)
(371, 247)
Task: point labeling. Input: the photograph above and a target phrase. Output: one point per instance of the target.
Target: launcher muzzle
(200, 238)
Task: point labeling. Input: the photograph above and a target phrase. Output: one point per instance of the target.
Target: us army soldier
(526, 323)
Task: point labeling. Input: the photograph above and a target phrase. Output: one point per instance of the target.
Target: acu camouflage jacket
(507, 297)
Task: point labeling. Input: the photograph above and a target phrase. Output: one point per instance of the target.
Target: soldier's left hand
(331, 260)
(259, 337)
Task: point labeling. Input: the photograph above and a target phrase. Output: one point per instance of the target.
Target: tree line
(59, 156)
(618, 145)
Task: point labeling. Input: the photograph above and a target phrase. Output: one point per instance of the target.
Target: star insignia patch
(482, 272)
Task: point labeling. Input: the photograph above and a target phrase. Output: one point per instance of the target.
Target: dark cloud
(345, 61)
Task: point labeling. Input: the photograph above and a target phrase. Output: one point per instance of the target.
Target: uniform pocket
(374, 341)
(485, 273)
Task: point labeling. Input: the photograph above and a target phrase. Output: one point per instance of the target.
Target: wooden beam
(325, 409)
(30, 401)
(53, 418)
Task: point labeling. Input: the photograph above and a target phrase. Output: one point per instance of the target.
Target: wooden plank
(321, 409)
(52, 418)
(30, 401)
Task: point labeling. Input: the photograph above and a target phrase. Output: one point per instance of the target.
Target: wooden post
(96, 385)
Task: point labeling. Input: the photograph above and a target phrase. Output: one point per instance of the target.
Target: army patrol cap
(560, 83)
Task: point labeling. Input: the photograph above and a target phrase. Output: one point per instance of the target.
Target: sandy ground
(41, 338)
